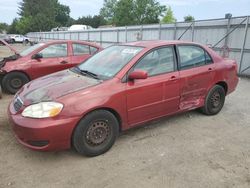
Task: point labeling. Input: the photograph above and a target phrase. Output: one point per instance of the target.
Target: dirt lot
(187, 150)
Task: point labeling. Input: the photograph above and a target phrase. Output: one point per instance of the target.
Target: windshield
(31, 49)
(107, 63)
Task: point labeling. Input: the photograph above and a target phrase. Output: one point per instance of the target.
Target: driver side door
(54, 58)
(158, 95)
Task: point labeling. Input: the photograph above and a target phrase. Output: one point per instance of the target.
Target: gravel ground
(186, 150)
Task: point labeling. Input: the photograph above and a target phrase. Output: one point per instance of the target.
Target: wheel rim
(216, 99)
(16, 83)
(97, 133)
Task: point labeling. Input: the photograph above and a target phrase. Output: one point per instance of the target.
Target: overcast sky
(200, 9)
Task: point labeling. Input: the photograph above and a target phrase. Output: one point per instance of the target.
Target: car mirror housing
(138, 74)
(37, 56)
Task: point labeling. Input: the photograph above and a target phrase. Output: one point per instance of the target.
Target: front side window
(192, 56)
(55, 50)
(107, 63)
(158, 61)
(31, 49)
(80, 49)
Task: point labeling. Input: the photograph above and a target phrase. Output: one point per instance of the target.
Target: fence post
(88, 36)
(117, 39)
(126, 34)
(193, 31)
(175, 30)
(141, 31)
(243, 45)
(78, 35)
(101, 37)
(228, 29)
(159, 31)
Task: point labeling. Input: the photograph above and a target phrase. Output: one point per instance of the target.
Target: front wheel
(96, 133)
(214, 101)
(13, 81)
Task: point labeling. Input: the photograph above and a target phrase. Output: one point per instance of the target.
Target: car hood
(54, 86)
(10, 47)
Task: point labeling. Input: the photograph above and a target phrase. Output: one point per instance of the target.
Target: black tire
(12, 41)
(214, 101)
(13, 81)
(0, 91)
(96, 133)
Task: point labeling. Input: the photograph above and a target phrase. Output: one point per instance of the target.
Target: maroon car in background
(119, 88)
(42, 59)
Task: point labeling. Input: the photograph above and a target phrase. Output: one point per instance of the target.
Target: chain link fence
(229, 37)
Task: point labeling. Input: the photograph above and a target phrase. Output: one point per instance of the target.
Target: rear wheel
(96, 133)
(214, 100)
(13, 81)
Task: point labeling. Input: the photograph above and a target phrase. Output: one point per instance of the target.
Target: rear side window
(80, 49)
(157, 62)
(93, 50)
(55, 50)
(192, 56)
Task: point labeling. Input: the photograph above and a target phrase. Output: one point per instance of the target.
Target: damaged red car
(119, 88)
(42, 59)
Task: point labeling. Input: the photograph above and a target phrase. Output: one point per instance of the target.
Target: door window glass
(55, 50)
(93, 50)
(191, 56)
(157, 62)
(80, 49)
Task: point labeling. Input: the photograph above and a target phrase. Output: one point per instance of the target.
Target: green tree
(132, 12)
(62, 15)
(93, 21)
(37, 15)
(12, 28)
(108, 10)
(189, 18)
(124, 13)
(4, 27)
(148, 11)
(169, 16)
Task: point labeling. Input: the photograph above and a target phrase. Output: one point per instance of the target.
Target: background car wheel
(214, 100)
(0, 91)
(96, 133)
(13, 81)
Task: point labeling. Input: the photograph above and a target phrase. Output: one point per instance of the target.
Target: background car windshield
(31, 49)
(110, 61)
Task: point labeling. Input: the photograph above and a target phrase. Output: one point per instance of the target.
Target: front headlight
(43, 110)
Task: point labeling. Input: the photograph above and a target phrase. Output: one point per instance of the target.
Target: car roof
(72, 41)
(155, 43)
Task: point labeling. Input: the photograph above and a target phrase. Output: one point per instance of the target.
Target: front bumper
(47, 134)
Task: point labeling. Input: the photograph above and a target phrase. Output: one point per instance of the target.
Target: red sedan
(42, 59)
(119, 88)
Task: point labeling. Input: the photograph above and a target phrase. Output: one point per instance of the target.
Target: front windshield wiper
(86, 72)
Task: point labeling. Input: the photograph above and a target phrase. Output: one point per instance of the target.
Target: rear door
(196, 75)
(81, 52)
(54, 58)
(157, 95)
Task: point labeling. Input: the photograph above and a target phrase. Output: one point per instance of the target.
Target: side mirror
(37, 56)
(138, 74)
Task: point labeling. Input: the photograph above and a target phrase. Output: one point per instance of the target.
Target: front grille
(18, 104)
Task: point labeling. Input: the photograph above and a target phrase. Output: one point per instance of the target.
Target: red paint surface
(134, 102)
(35, 68)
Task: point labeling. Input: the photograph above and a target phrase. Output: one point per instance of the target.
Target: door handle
(210, 69)
(173, 78)
(64, 62)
